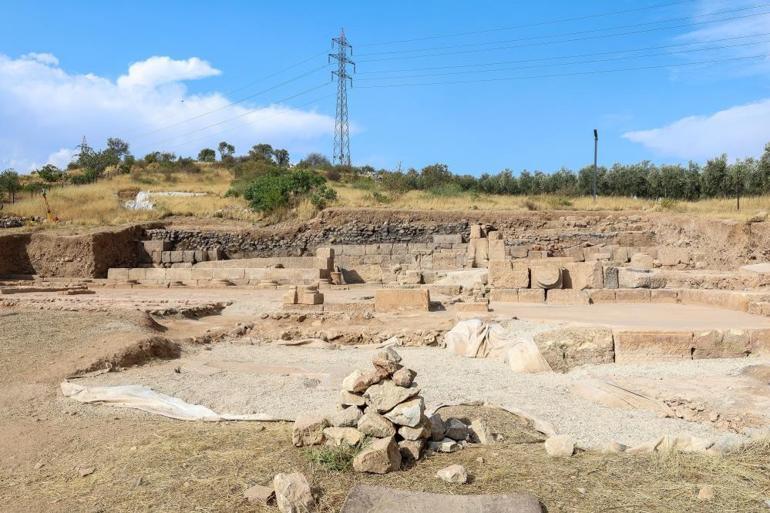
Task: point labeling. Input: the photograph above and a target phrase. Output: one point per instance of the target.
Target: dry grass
(206, 467)
(99, 204)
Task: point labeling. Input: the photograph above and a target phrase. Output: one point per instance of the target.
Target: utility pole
(341, 126)
(596, 151)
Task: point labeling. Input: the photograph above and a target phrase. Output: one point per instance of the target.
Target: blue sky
(533, 80)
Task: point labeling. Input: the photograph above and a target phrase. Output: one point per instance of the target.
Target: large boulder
(386, 395)
(308, 430)
(381, 456)
(374, 424)
(408, 413)
(293, 494)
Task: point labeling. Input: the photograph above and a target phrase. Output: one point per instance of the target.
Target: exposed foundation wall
(77, 256)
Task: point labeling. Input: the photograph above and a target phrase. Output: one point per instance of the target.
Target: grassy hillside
(102, 203)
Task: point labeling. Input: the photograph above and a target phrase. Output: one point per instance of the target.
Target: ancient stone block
(575, 253)
(636, 346)
(567, 297)
(599, 296)
(177, 257)
(611, 277)
(634, 279)
(759, 342)
(453, 238)
(228, 274)
(476, 231)
(519, 252)
(531, 295)
(641, 262)
(537, 254)
(620, 255)
(394, 300)
(566, 348)
(731, 343)
(670, 256)
(165, 257)
(632, 296)
(507, 274)
(582, 275)
(117, 274)
(137, 273)
(664, 296)
(504, 295)
(496, 249)
(546, 276)
(475, 307)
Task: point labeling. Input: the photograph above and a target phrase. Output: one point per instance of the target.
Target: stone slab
(380, 499)
(640, 346)
(395, 300)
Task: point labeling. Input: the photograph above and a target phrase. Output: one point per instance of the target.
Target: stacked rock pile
(382, 410)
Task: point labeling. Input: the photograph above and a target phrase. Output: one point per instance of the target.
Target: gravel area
(286, 381)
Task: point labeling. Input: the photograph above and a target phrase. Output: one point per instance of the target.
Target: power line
(571, 40)
(558, 57)
(591, 61)
(267, 116)
(247, 113)
(577, 73)
(231, 104)
(529, 25)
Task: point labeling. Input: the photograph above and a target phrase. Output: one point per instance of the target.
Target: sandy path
(286, 381)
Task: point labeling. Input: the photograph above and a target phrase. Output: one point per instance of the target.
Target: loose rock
(455, 474)
(420, 432)
(347, 417)
(437, 427)
(293, 494)
(456, 430)
(445, 445)
(308, 430)
(351, 399)
(404, 377)
(387, 360)
(381, 456)
(411, 450)
(374, 424)
(408, 413)
(338, 436)
(386, 395)
(259, 494)
(559, 446)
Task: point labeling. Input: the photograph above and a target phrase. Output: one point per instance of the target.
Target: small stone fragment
(381, 456)
(308, 430)
(374, 424)
(408, 413)
(445, 445)
(86, 471)
(404, 377)
(293, 494)
(259, 494)
(559, 446)
(456, 430)
(455, 474)
(346, 418)
(338, 436)
(706, 493)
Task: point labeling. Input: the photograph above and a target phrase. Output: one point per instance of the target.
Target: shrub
(280, 189)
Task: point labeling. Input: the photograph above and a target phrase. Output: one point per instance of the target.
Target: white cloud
(162, 70)
(61, 158)
(739, 131)
(45, 110)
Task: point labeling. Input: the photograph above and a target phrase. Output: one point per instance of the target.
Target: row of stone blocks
(235, 275)
(158, 252)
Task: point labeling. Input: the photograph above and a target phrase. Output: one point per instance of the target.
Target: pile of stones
(381, 411)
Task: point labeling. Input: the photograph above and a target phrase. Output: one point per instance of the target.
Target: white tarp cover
(142, 398)
(474, 338)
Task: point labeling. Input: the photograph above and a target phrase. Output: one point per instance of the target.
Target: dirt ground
(136, 462)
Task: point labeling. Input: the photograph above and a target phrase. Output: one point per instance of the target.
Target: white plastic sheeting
(142, 398)
(474, 338)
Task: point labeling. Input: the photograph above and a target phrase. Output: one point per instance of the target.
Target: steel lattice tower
(341, 126)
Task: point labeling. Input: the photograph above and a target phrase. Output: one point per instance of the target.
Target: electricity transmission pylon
(341, 126)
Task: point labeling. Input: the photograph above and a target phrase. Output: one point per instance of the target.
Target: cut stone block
(546, 276)
(637, 346)
(565, 348)
(395, 300)
(582, 275)
(504, 295)
(496, 249)
(635, 279)
(611, 278)
(601, 296)
(531, 296)
(664, 296)
(567, 297)
(641, 262)
(717, 344)
(117, 274)
(632, 296)
(508, 274)
(669, 256)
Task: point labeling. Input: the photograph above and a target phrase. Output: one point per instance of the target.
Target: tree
(315, 161)
(9, 181)
(207, 155)
(714, 179)
(281, 157)
(116, 148)
(50, 173)
(261, 152)
(226, 150)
